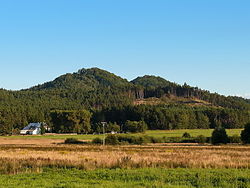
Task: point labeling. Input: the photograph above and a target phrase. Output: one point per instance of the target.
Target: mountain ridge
(116, 99)
(96, 80)
(159, 81)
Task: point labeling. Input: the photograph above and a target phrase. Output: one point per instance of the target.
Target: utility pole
(103, 131)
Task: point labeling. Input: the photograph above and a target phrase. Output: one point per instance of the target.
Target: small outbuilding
(32, 129)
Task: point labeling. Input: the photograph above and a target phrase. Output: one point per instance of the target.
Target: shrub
(173, 140)
(201, 139)
(235, 139)
(43, 130)
(97, 141)
(125, 139)
(156, 140)
(138, 140)
(134, 139)
(188, 140)
(112, 139)
(141, 140)
(245, 134)
(186, 135)
(219, 136)
(73, 141)
(15, 132)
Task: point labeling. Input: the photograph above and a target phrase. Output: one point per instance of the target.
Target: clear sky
(205, 43)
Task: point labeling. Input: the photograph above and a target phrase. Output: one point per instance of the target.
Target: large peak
(85, 78)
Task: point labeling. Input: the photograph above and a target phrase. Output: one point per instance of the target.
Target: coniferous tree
(219, 136)
(245, 134)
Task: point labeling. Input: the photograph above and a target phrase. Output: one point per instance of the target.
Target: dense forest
(106, 97)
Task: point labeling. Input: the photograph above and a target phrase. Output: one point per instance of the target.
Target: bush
(235, 139)
(173, 140)
(43, 130)
(156, 140)
(245, 134)
(141, 140)
(97, 141)
(112, 140)
(15, 132)
(186, 135)
(138, 140)
(134, 139)
(125, 139)
(73, 141)
(188, 140)
(201, 139)
(219, 136)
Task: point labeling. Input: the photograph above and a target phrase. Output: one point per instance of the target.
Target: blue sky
(204, 43)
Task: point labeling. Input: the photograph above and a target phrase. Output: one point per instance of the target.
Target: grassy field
(44, 161)
(156, 133)
(152, 177)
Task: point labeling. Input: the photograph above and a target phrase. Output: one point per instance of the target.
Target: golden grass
(28, 141)
(16, 158)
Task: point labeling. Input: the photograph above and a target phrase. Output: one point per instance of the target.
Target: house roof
(32, 126)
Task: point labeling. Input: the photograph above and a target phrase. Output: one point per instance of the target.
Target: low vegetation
(120, 178)
(73, 141)
(127, 160)
(216, 136)
(153, 133)
(31, 158)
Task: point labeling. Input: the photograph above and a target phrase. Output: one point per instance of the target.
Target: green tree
(5, 127)
(113, 127)
(71, 121)
(202, 121)
(135, 126)
(245, 134)
(219, 136)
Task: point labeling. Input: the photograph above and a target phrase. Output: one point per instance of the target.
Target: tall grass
(16, 159)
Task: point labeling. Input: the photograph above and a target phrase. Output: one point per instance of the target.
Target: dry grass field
(33, 155)
(48, 162)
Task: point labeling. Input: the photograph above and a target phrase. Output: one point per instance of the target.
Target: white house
(32, 129)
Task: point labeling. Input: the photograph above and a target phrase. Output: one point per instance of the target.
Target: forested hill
(87, 79)
(153, 86)
(96, 90)
(152, 82)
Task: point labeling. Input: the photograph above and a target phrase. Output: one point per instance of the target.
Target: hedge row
(138, 140)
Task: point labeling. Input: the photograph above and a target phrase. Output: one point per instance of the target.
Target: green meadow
(152, 177)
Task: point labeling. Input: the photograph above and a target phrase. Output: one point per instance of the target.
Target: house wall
(36, 131)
